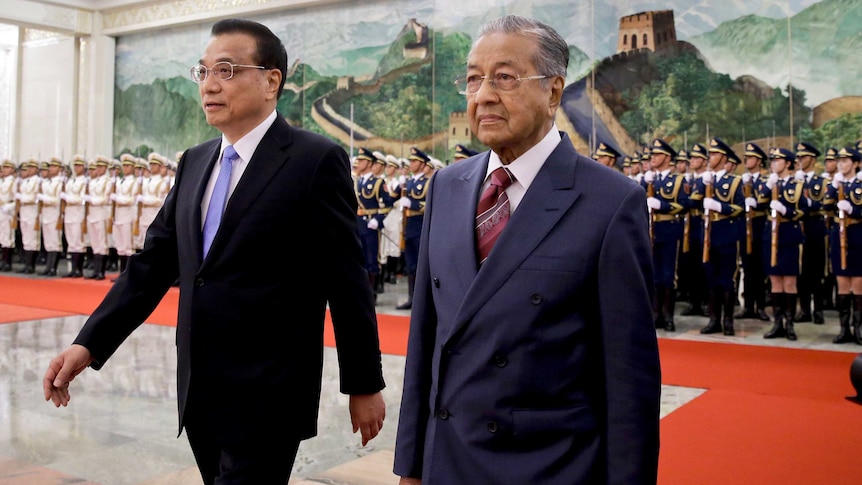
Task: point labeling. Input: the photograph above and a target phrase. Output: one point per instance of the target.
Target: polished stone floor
(120, 427)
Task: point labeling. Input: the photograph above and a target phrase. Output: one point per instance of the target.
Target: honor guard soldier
(28, 214)
(692, 254)
(754, 277)
(462, 152)
(52, 226)
(7, 213)
(810, 282)
(667, 202)
(98, 212)
(724, 227)
(844, 198)
(607, 155)
(681, 163)
(154, 189)
(75, 215)
(830, 168)
(369, 219)
(390, 244)
(784, 232)
(413, 205)
(124, 209)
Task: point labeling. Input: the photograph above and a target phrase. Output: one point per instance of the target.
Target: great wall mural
(379, 75)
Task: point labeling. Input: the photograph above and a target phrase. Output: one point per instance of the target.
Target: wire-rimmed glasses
(503, 81)
(221, 70)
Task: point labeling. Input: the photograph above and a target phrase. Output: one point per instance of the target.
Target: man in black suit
(249, 338)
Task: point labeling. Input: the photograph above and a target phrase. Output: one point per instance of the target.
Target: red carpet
(770, 415)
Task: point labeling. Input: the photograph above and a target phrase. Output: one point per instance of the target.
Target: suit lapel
(203, 177)
(268, 158)
(549, 197)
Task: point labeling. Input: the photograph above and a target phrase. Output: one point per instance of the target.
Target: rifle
(746, 190)
(842, 233)
(685, 232)
(14, 223)
(403, 244)
(707, 227)
(110, 228)
(61, 218)
(650, 192)
(38, 224)
(136, 225)
(86, 207)
(773, 250)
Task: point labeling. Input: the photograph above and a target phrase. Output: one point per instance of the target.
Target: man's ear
(558, 83)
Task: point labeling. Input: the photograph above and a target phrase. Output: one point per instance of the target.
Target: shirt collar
(246, 145)
(525, 167)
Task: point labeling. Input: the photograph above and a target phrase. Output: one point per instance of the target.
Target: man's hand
(409, 481)
(367, 412)
(62, 370)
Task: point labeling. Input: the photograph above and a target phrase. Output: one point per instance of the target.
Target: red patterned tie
(493, 212)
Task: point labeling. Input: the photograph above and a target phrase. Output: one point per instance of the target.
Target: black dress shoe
(669, 326)
(711, 327)
(405, 306)
(802, 317)
(818, 317)
(746, 314)
(761, 314)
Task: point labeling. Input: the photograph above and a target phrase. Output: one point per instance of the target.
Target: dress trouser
(266, 462)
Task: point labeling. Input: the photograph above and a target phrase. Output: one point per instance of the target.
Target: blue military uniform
(370, 193)
(692, 277)
(785, 235)
(754, 281)
(667, 231)
(462, 152)
(724, 227)
(846, 255)
(810, 283)
(416, 188)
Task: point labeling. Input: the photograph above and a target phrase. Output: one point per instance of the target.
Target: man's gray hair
(552, 54)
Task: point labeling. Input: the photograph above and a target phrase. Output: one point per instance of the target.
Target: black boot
(6, 259)
(98, 268)
(668, 309)
(77, 269)
(856, 320)
(788, 315)
(804, 314)
(729, 302)
(845, 335)
(817, 314)
(378, 281)
(777, 330)
(714, 311)
(30, 262)
(391, 269)
(657, 305)
(51, 264)
(372, 281)
(411, 280)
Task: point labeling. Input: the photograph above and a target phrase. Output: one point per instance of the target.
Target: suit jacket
(542, 366)
(251, 315)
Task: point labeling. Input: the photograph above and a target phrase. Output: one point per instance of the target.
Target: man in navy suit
(249, 338)
(539, 365)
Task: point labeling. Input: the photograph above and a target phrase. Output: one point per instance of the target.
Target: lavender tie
(218, 198)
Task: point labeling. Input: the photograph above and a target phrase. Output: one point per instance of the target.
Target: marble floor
(120, 427)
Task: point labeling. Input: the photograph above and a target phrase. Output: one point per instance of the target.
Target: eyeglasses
(501, 80)
(221, 70)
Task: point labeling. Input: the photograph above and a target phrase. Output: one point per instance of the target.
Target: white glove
(17, 197)
(777, 206)
(707, 177)
(751, 202)
(40, 196)
(405, 202)
(772, 180)
(639, 177)
(746, 178)
(649, 176)
(859, 175)
(687, 176)
(113, 197)
(85, 198)
(827, 175)
(711, 204)
(402, 180)
(653, 203)
(5, 209)
(799, 175)
(845, 206)
(838, 180)
(139, 199)
(62, 196)
(372, 224)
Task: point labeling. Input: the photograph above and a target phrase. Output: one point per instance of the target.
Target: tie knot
(230, 153)
(502, 177)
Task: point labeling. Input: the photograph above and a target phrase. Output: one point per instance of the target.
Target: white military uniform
(153, 193)
(52, 188)
(75, 209)
(7, 207)
(98, 210)
(28, 212)
(125, 211)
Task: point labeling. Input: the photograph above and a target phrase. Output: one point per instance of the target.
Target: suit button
(443, 414)
(535, 299)
(436, 283)
(492, 427)
(500, 361)
(199, 282)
